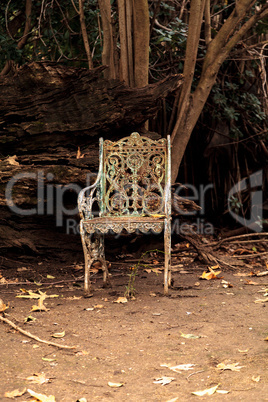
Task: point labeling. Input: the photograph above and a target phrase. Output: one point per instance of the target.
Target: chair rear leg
(106, 281)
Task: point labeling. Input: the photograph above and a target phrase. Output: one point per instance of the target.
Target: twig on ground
(6, 320)
(42, 284)
(249, 255)
(197, 372)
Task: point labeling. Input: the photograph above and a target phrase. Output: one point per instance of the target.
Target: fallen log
(50, 119)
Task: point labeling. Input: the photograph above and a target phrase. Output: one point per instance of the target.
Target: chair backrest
(135, 176)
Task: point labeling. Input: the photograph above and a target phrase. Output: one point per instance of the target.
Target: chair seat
(129, 223)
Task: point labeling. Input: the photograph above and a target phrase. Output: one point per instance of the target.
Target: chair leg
(106, 281)
(88, 260)
(93, 247)
(167, 242)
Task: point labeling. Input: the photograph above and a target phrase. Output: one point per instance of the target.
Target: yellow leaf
(58, 334)
(256, 379)
(243, 351)
(3, 306)
(29, 319)
(40, 306)
(210, 275)
(266, 339)
(190, 336)
(115, 384)
(82, 353)
(261, 300)
(208, 391)
(50, 277)
(42, 397)
(46, 359)
(157, 215)
(13, 394)
(38, 379)
(121, 300)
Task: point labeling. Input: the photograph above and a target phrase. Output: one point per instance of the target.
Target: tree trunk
(141, 43)
(191, 105)
(108, 51)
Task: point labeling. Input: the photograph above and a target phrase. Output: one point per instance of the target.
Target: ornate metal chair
(132, 192)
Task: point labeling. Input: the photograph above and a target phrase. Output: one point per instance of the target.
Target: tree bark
(191, 105)
(84, 34)
(108, 51)
(50, 120)
(141, 43)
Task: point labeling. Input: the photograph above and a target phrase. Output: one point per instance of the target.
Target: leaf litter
(179, 368)
(164, 380)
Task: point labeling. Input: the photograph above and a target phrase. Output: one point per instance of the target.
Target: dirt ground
(121, 349)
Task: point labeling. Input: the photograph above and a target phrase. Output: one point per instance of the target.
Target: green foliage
(233, 101)
(55, 35)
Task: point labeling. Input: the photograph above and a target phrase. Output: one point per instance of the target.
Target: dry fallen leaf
(98, 306)
(180, 367)
(14, 393)
(226, 284)
(256, 378)
(266, 339)
(3, 306)
(155, 270)
(121, 300)
(230, 366)
(33, 295)
(41, 397)
(38, 379)
(11, 160)
(164, 380)
(82, 353)
(40, 306)
(47, 359)
(115, 384)
(173, 399)
(208, 391)
(211, 274)
(263, 273)
(58, 334)
(243, 351)
(249, 282)
(261, 300)
(190, 336)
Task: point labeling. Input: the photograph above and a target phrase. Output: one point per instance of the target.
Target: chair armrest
(85, 203)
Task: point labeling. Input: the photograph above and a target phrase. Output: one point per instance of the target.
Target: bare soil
(201, 323)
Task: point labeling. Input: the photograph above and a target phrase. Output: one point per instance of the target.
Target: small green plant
(130, 288)
(235, 204)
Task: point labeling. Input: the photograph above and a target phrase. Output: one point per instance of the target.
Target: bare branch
(74, 6)
(84, 34)
(27, 28)
(207, 23)
(6, 14)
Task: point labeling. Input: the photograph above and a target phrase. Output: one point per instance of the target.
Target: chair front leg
(87, 249)
(167, 243)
